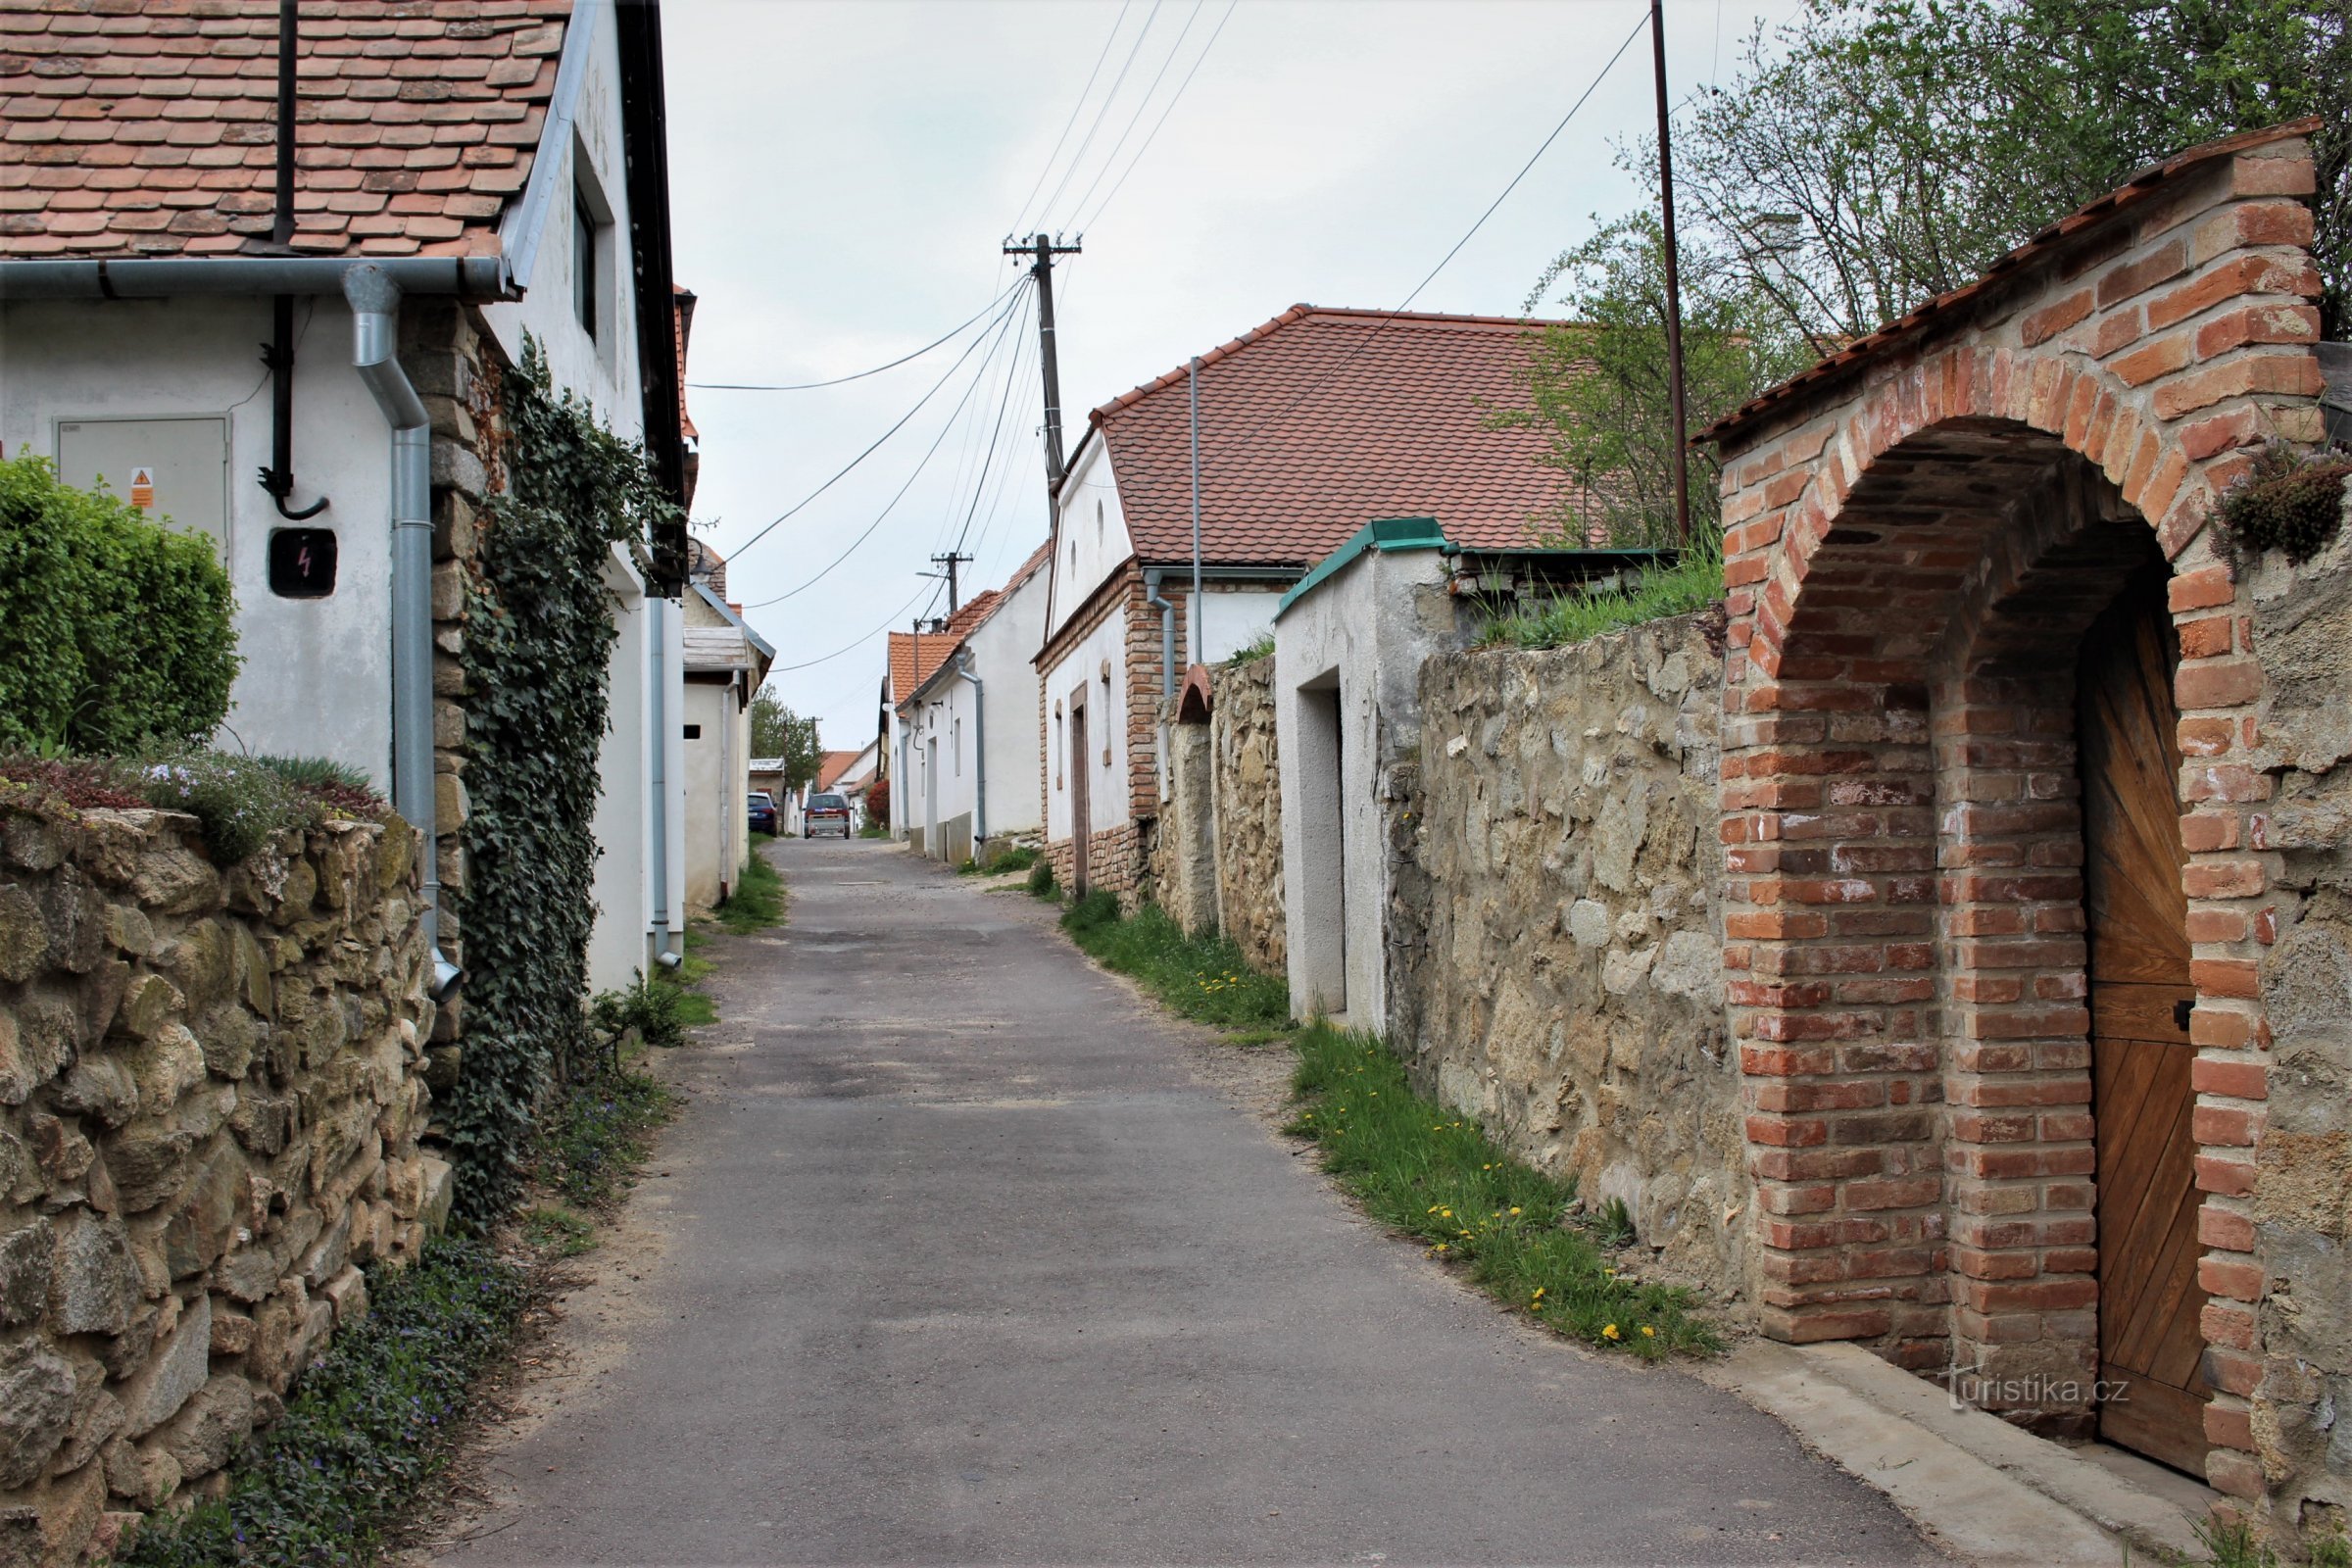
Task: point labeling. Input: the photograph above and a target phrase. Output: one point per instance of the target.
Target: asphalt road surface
(962, 1253)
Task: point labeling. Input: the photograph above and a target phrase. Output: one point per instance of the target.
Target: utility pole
(1674, 287)
(1045, 250)
(951, 560)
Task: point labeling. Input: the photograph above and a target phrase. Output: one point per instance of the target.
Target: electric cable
(1141, 104)
(1100, 110)
(977, 380)
(1047, 167)
(896, 615)
(810, 387)
(1325, 379)
(1097, 216)
(844, 471)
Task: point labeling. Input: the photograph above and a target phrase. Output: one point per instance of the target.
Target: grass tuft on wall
(1433, 1175)
(1691, 583)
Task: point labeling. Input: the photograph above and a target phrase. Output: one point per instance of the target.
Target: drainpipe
(374, 331)
(657, 720)
(1167, 632)
(964, 667)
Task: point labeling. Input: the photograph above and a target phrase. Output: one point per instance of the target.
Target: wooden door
(2150, 1347)
(1081, 764)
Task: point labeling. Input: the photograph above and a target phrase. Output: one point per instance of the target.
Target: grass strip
(367, 1425)
(1201, 978)
(757, 901)
(596, 1131)
(1691, 583)
(1436, 1177)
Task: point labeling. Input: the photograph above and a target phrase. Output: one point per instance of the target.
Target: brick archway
(1917, 537)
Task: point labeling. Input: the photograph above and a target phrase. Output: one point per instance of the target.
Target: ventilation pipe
(376, 334)
(964, 669)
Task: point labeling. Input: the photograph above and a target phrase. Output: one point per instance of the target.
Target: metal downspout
(1167, 632)
(964, 667)
(657, 721)
(376, 321)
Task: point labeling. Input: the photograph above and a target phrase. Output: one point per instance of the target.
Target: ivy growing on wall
(539, 633)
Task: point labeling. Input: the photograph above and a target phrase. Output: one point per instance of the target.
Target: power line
(1096, 216)
(1593, 86)
(979, 376)
(994, 440)
(811, 386)
(895, 616)
(1047, 167)
(1141, 104)
(1103, 108)
(869, 450)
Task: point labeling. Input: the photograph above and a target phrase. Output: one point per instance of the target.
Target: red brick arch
(1914, 543)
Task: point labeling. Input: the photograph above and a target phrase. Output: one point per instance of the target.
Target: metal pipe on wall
(964, 667)
(375, 301)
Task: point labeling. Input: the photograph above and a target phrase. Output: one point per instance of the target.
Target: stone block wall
(1245, 787)
(210, 1092)
(2289, 1354)
(1567, 983)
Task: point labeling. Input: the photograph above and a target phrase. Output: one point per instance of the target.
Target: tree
(1599, 388)
(777, 731)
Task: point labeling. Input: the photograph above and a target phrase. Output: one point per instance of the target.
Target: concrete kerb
(1992, 1492)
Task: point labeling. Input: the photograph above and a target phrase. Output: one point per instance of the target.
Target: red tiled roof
(684, 299)
(2139, 188)
(149, 127)
(832, 765)
(904, 675)
(1323, 420)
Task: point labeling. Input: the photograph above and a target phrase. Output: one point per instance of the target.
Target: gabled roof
(1323, 419)
(931, 648)
(2142, 186)
(150, 130)
(975, 614)
(832, 765)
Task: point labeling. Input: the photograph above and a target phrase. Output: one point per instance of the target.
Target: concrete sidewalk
(953, 1258)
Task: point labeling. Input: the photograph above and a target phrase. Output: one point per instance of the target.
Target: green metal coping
(1389, 535)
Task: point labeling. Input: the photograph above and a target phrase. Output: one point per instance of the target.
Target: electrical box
(173, 469)
(302, 563)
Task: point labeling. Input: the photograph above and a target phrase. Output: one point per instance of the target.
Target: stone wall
(2291, 1355)
(1247, 788)
(1568, 987)
(210, 1096)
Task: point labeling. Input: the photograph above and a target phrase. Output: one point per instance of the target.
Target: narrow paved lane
(953, 1258)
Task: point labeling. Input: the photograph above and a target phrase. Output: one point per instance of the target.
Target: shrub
(120, 633)
(649, 1006)
(2289, 501)
(1041, 880)
(239, 804)
(366, 1427)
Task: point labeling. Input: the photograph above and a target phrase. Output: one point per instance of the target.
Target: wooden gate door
(2150, 1347)
(1081, 764)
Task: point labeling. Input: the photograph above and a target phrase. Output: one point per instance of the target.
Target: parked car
(828, 810)
(764, 813)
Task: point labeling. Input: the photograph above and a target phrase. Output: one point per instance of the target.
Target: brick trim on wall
(1911, 554)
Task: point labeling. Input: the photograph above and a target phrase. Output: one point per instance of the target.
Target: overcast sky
(844, 174)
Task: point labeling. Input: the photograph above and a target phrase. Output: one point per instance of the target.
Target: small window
(583, 262)
(694, 732)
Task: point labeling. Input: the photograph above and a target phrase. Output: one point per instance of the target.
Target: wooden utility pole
(951, 560)
(1674, 284)
(1045, 250)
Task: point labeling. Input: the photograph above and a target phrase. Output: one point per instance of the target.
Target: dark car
(829, 810)
(764, 813)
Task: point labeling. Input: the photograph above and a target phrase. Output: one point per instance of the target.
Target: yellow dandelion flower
(1514, 1208)
(1609, 1332)
(1538, 1296)
(1648, 1333)
(1432, 1209)
(1447, 1212)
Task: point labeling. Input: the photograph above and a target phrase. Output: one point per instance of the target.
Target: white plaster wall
(1093, 542)
(604, 370)
(1232, 618)
(706, 705)
(1105, 719)
(1002, 654)
(1364, 623)
(624, 823)
(317, 674)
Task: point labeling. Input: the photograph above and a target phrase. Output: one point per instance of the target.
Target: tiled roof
(1323, 420)
(905, 677)
(148, 128)
(2140, 187)
(832, 765)
(684, 299)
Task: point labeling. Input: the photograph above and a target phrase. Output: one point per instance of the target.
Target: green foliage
(597, 1130)
(538, 635)
(558, 1231)
(1434, 1176)
(1201, 978)
(2290, 501)
(1691, 583)
(240, 805)
(1041, 880)
(366, 1426)
(1258, 647)
(649, 1007)
(1598, 390)
(778, 731)
(2232, 1543)
(1020, 857)
(757, 901)
(120, 633)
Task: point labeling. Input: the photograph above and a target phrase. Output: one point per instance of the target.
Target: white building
(970, 727)
(725, 661)
(1306, 426)
(431, 223)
